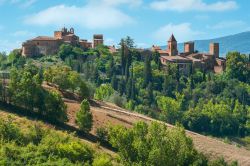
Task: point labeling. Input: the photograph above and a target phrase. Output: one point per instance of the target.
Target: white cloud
(20, 3)
(182, 32)
(8, 46)
(110, 42)
(23, 34)
(227, 25)
(193, 5)
(142, 45)
(28, 3)
(132, 3)
(89, 16)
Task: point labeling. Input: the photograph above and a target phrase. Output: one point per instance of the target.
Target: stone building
(205, 61)
(97, 40)
(45, 45)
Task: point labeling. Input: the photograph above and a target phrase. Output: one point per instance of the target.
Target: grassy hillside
(30, 142)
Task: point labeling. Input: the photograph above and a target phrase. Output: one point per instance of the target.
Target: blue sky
(147, 21)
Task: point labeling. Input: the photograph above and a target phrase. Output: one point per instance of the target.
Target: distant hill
(238, 42)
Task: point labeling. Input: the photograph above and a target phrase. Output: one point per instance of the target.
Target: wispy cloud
(91, 16)
(183, 32)
(227, 24)
(19, 3)
(23, 33)
(131, 3)
(7, 45)
(193, 5)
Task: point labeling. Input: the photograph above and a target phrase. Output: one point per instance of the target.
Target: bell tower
(172, 46)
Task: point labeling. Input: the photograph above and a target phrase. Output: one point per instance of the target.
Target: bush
(103, 92)
(84, 118)
(9, 131)
(154, 145)
(102, 160)
(102, 133)
(50, 148)
(117, 99)
(55, 109)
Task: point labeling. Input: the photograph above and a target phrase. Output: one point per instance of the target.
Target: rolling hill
(239, 42)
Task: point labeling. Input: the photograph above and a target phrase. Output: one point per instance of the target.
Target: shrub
(55, 109)
(102, 133)
(102, 160)
(104, 91)
(117, 99)
(84, 118)
(9, 131)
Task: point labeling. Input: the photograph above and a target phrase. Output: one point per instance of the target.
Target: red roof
(44, 38)
(176, 58)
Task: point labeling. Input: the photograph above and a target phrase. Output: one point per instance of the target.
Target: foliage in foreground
(156, 145)
(38, 146)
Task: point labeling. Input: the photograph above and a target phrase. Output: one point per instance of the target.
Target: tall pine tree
(147, 70)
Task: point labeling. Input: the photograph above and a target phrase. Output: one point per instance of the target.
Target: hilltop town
(46, 45)
(211, 61)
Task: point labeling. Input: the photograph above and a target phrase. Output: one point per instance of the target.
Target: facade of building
(97, 40)
(45, 45)
(205, 61)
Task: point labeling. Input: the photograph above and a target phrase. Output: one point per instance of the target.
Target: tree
(156, 57)
(170, 109)
(84, 118)
(104, 91)
(123, 57)
(237, 66)
(65, 50)
(147, 71)
(121, 86)
(25, 87)
(14, 56)
(74, 80)
(114, 82)
(154, 145)
(150, 96)
(84, 90)
(111, 68)
(55, 109)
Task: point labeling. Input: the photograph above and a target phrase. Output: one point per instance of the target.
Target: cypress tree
(123, 58)
(132, 84)
(150, 93)
(147, 71)
(114, 82)
(127, 72)
(121, 86)
(129, 88)
(111, 68)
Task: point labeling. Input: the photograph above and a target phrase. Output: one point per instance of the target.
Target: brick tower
(215, 49)
(172, 46)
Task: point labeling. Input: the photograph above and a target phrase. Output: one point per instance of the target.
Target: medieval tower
(172, 46)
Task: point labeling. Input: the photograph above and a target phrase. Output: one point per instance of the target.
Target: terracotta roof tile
(44, 38)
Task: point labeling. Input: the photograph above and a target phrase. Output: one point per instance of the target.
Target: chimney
(215, 49)
(189, 47)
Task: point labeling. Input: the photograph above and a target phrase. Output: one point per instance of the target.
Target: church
(46, 45)
(190, 58)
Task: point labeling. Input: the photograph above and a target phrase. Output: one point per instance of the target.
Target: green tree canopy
(84, 117)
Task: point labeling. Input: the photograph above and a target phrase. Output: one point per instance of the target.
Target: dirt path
(105, 114)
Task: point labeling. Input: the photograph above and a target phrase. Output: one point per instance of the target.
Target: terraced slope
(107, 113)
